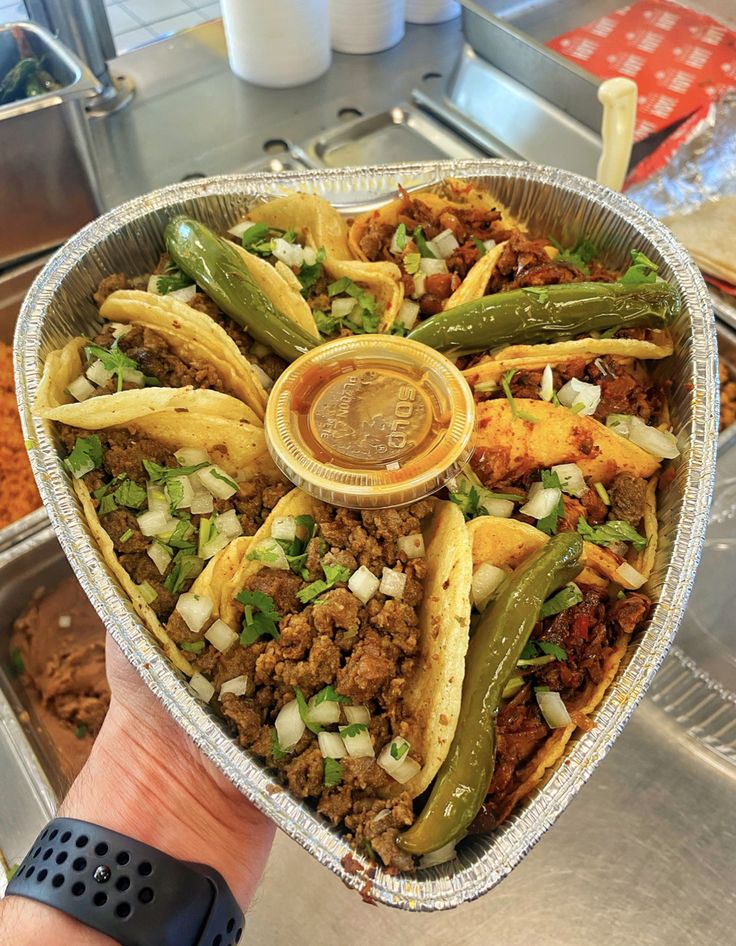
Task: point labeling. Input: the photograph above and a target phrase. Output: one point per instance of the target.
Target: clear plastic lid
(370, 421)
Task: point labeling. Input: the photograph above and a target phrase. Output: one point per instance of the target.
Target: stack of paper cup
(277, 43)
(366, 26)
(431, 11)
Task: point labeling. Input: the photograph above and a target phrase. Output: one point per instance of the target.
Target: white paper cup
(366, 26)
(277, 43)
(431, 11)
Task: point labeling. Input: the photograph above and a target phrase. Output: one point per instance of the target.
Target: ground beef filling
(625, 386)
(366, 652)
(157, 360)
(123, 453)
(589, 633)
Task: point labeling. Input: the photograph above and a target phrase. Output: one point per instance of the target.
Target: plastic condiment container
(370, 421)
(366, 26)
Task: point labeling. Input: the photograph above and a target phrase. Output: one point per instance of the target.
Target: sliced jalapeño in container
(370, 421)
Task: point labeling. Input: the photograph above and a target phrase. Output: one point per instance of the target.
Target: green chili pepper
(500, 636)
(548, 314)
(216, 265)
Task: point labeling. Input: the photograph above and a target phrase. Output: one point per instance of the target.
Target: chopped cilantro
(225, 479)
(17, 667)
(276, 751)
(329, 694)
(529, 651)
(552, 650)
(401, 237)
(615, 530)
(471, 496)
(333, 574)
(128, 534)
(296, 549)
(255, 234)
(548, 524)
(411, 263)
(107, 504)
(516, 412)
(304, 713)
(421, 243)
(161, 474)
(192, 647)
(642, 271)
(480, 246)
(621, 595)
(352, 730)
(309, 274)
(112, 359)
(259, 617)
(398, 752)
(564, 599)
(175, 493)
(603, 493)
(610, 332)
(85, 457)
(181, 537)
(130, 494)
(333, 773)
(185, 568)
(580, 255)
(81, 731)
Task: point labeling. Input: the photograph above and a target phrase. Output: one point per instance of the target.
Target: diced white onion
(191, 456)
(501, 508)
(310, 256)
(216, 544)
(80, 388)
(258, 350)
(441, 856)
(363, 584)
(432, 267)
(219, 488)
(325, 713)
(221, 635)
(571, 477)
(160, 556)
(357, 714)
(290, 253)
(239, 228)
(330, 745)
(487, 579)
(98, 373)
(65, 620)
(238, 686)
(444, 244)
(394, 247)
(489, 244)
(342, 306)
(202, 503)
(359, 746)
(411, 545)
(628, 576)
(553, 709)
(659, 443)
(202, 687)
(187, 492)
(228, 524)
(134, 376)
(541, 501)
(419, 279)
(156, 497)
(547, 387)
(408, 313)
(154, 521)
(581, 393)
(265, 380)
(153, 285)
(284, 527)
(397, 768)
(118, 329)
(185, 294)
(273, 555)
(195, 610)
(393, 583)
(289, 725)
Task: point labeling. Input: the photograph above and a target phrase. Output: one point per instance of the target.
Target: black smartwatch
(127, 890)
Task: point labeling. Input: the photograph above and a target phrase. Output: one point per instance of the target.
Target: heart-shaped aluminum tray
(129, 239)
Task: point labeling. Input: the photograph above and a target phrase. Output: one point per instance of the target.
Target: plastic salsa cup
(370, 421)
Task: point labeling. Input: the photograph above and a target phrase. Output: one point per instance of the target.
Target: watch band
(130, 891)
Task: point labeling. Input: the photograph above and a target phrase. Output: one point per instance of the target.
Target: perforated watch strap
(128, 890)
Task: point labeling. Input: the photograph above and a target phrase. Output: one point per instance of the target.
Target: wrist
(146, 779)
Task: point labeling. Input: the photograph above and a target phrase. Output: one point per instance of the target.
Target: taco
(150, 342)
(296, 250)
(165, 492)
(436, 237)
(575, 651)
(353, 629)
